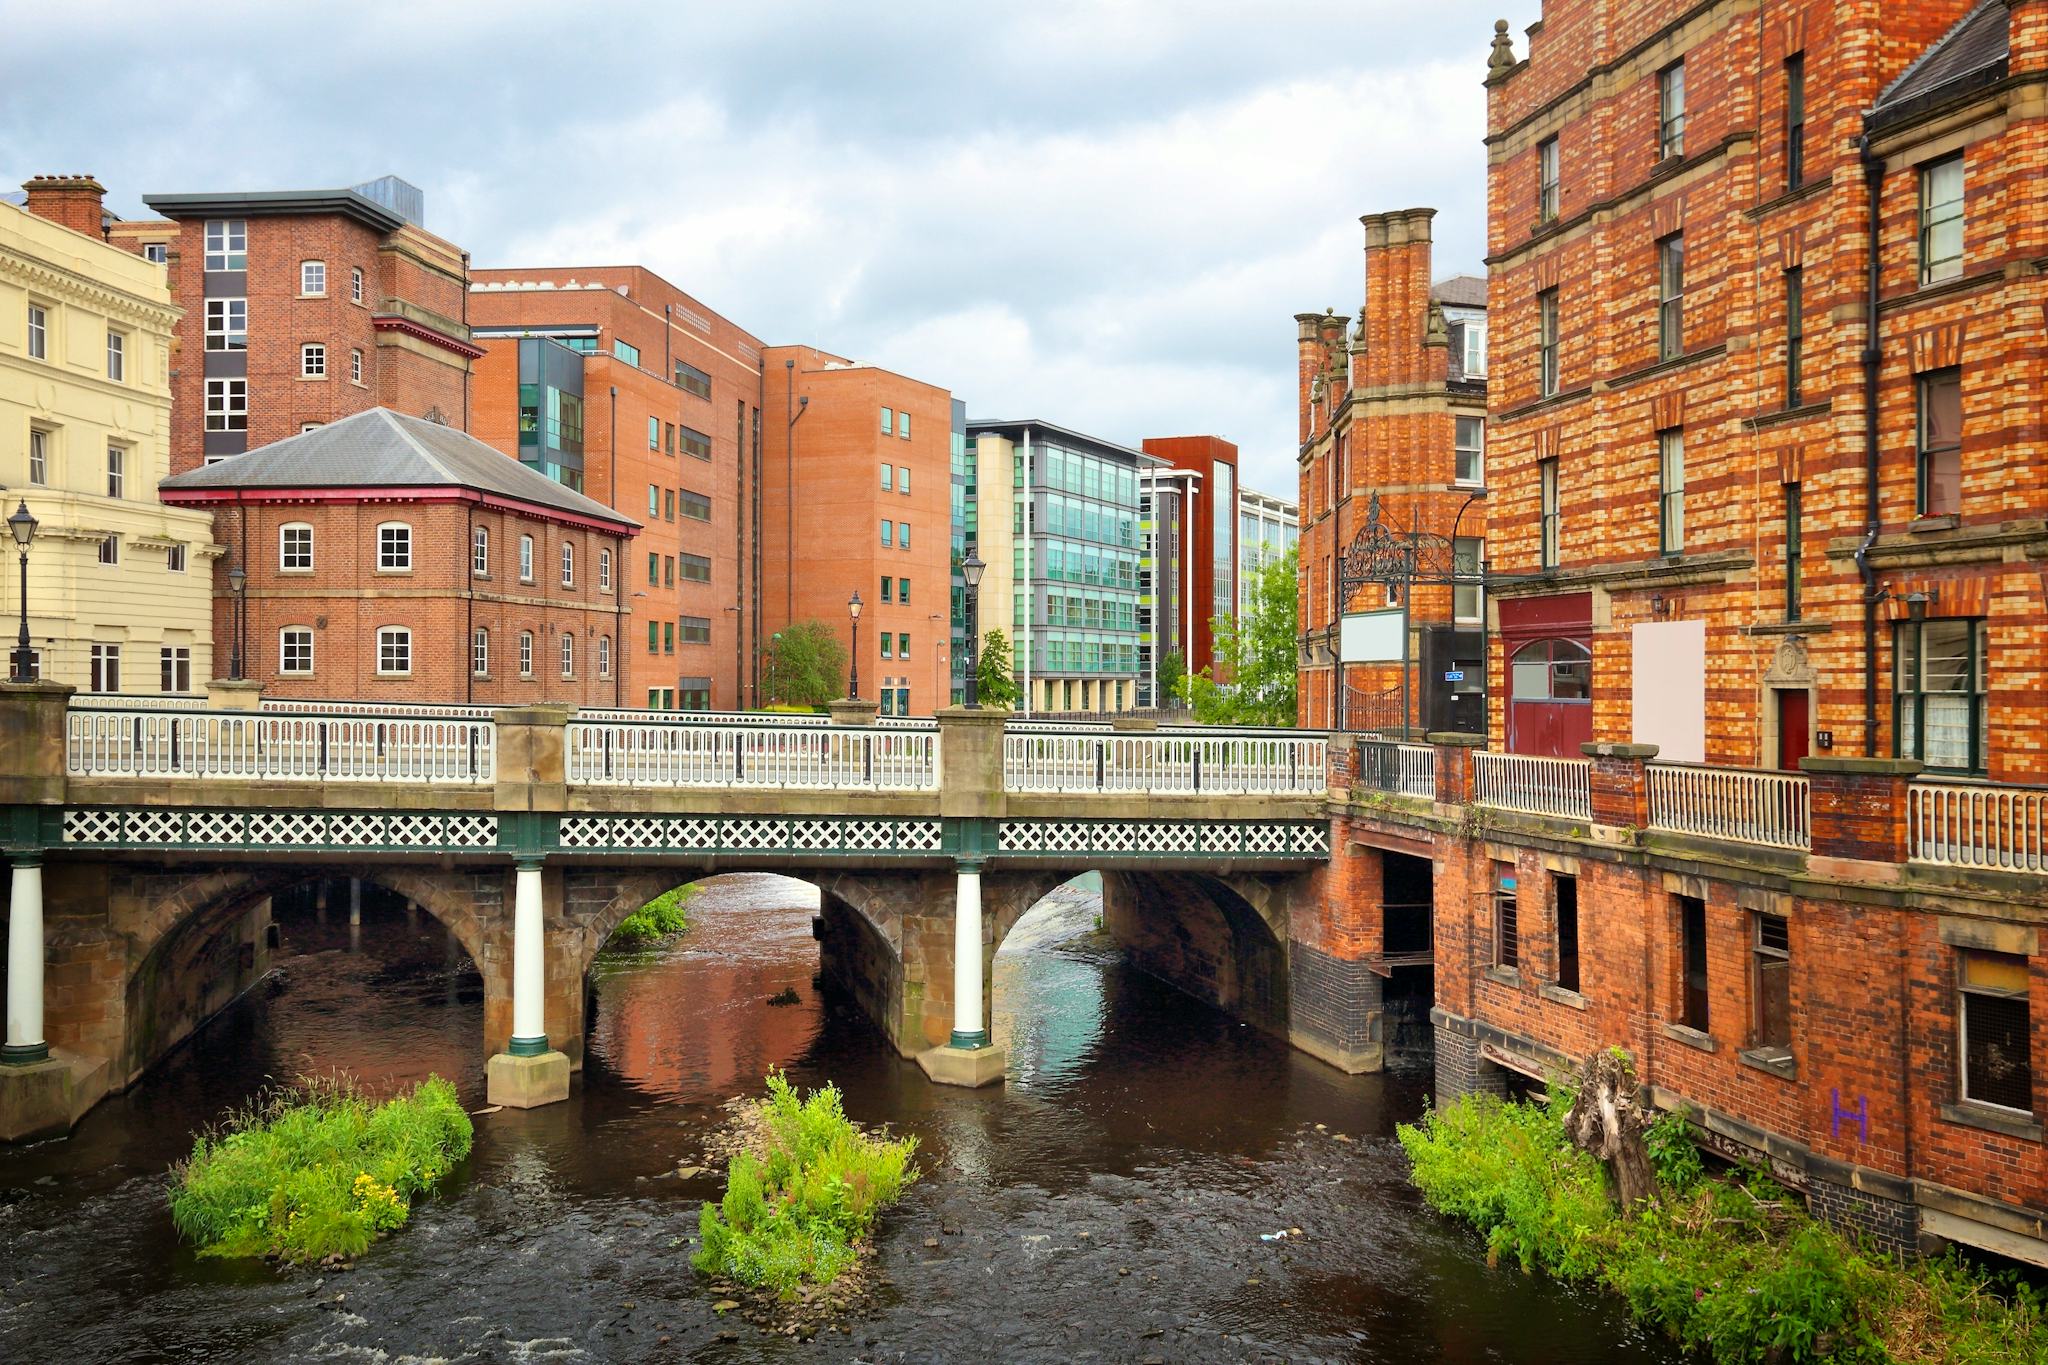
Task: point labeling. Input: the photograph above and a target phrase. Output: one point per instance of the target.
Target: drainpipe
(468, 365)
(612, 497)
(469, 597)
(1873, 180)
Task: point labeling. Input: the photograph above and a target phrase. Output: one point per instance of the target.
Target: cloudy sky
(1099, 212)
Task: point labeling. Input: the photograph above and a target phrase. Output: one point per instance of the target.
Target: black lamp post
(853, 610)
(970, 574)
(23, 525)
(238, 584)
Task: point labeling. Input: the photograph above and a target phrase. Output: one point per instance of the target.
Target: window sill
(313, 296)
(1561, 995)
(1993, 1120)
(393, 573)
(1691, 1037)
(393, 677)
(1777, 1061)
(294, 573)
(1947, 522)
(1507, 976)
(312, 379)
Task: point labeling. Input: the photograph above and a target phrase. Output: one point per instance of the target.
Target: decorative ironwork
(807, 836)
(1166, 838)
(196, 827)
(1382, 553)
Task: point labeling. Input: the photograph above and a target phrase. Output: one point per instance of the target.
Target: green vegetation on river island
(663, 917)
(1731, 1265)
(317, 1170)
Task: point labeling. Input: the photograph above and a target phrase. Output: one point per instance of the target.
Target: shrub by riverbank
(663, 917)
(317, 1170)
(801, 1194)
(1729, 1264)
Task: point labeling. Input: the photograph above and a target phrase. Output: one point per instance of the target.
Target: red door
(1794, 724)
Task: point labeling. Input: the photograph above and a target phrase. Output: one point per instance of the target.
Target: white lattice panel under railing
(1732, 803)
(166, 826)
(1961, 824)
(745, 834)
(1165, 838)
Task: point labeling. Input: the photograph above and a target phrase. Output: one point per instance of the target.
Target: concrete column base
(1353, 1061)
(527, 1082)
(971, 1067)
(44, 1099)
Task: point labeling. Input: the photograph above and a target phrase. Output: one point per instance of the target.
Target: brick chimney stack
(2028, 28)
(1397, 265)
(70, 200)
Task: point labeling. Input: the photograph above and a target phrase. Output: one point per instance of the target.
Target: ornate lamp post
(853, 610)
(970, 574)
(23, 525)
(238, 584)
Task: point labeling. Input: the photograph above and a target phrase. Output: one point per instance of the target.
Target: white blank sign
(1670, 703)
(1371, 637)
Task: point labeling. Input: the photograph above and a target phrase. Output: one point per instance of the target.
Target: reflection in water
(1167, 1133)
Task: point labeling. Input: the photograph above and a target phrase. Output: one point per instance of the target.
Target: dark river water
(1104, 1205)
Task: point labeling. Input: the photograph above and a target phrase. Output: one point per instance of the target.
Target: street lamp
(23, 525)
(853, 610)
(970, 574)
(238, 584)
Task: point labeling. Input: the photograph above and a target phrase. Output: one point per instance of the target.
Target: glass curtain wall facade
(551, 409)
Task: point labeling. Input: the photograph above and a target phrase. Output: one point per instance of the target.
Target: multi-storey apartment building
(857, 466)
(389, 557)
(1072, 615)
(1393, 475)
(119, 585)
(1212, 543)
(301, 307)
(1267, 528)
(613, 382)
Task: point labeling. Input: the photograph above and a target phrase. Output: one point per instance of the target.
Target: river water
(1104, 1205)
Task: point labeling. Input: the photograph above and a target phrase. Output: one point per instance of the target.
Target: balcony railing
(263, 746)
(1960, 824)
(1731, 803)
(1527, 782)
(1174, 763)
(808, 757)
(1399, 769)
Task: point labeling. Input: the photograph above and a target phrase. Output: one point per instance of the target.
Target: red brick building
(390, 558)
(1210, 542)
(302, 307)
(1393, 418)
(612, 381)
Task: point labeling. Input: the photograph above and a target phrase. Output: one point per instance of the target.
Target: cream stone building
(119, 586)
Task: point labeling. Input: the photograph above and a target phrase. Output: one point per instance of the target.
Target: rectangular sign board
(1372, 637)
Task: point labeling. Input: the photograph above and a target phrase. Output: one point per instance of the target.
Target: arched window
(480, 652)
(604, 570)
(480, 551)
(568, 564)
(295, 547)
(604, 656)
(394, 547)
(525, 653)
(526, 559)
(295, 651)
(568, 655)
(1552, 670)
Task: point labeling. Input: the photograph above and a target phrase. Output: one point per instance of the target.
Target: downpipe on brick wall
(1873, 179)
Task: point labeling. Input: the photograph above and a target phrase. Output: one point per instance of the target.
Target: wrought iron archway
(1398, 559)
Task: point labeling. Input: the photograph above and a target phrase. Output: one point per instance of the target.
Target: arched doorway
(1550, 698)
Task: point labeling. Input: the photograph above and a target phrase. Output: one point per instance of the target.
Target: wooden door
(1794, 726)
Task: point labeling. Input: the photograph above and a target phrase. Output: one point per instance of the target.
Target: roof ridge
(1933, 49)
(419, 447)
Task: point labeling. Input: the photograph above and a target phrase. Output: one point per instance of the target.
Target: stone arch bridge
(146, 842)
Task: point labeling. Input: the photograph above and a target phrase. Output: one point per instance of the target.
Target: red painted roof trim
(429, 493)
(391, 322)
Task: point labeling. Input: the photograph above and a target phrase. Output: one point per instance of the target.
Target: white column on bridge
(24, 1044)
(967, 1029)
(529, 964)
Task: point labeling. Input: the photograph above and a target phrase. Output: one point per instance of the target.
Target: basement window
(1993, 1020)
(1507, 937)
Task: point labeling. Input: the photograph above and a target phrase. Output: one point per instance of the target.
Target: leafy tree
(995, 676)
(1173, 669)
(804, 665)
(1258, 650)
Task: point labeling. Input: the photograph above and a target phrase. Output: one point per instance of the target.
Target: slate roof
(385, 449)
(1460, 291)
(1976, 48)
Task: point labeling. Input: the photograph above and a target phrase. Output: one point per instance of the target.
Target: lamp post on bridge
(23, 526)
(970, 573)
(238, 584)
(853, 682)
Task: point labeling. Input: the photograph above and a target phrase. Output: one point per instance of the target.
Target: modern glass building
(1267, 529)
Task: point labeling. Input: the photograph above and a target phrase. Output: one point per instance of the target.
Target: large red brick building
(1766, 498)
(1393, 424)
(390, 558)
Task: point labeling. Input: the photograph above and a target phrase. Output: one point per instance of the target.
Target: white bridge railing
(1527, 782)
(811, 757)
(264, 746)
(1166, 763)
(1732, 803)
(1959, 824)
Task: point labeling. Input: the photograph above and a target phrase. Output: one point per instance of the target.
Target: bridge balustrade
(1166, 763)
(805, 756)
(261, 746)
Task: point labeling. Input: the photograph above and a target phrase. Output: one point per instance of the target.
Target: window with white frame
(1471, 444)
(156, 253)
(295, 547)
(106, 667)
(227, 244)
(38, 332)
(312, 278)
(1939, 695)
(355, 364)
(1941, 219)
(38, 456)
(568, 564)
(1671, 297)
(305, 427)
(604, 570)
(110, 550)
(227, 405)
(227, 324)
(568, 655)
(117, 471)
(1671, 491)
(355, 284)
(394, 651)
(1468, 595)
(480, 652)
(480, 551)
(394, 547)
(604, 656)
(526, 559)
(174, 559)
(525, 653)
(117, 356)
(1473, 354)
(295, 651)
(1671, 111)
(313, 361)
(903, 478)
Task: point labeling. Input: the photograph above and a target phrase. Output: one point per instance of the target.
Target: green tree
(1258, 650)
(1173, 669)
(995, 675)
(804, 665)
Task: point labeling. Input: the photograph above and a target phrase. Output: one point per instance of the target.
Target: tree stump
(1606, 1121)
